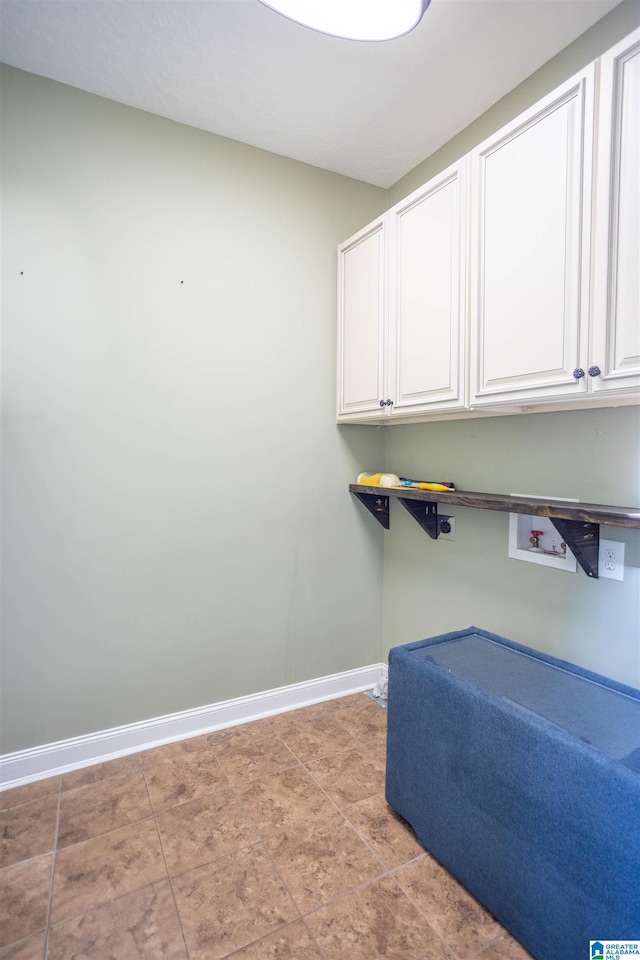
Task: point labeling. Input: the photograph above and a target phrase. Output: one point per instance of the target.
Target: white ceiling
(234, 67)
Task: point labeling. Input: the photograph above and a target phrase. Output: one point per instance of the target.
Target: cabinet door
(427, 301)
(362, 323)
(531, 190)
(616, 310)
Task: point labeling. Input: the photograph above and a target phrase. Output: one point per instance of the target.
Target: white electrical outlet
(447, 528)
(611, 560)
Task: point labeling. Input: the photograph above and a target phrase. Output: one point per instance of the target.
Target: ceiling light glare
(354, 19)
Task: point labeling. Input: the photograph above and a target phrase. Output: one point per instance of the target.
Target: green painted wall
(432, 587)
(176, 529)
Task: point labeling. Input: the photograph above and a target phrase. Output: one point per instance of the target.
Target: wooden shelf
(577, 523)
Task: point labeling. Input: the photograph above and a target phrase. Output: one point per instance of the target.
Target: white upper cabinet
(510, 281)
(402, 307)
(616, 280)
(362, 319)
(530, 251)
(427, 296)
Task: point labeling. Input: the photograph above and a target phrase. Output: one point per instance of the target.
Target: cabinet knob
(578, 373)
(594, 371)
(389, 403)
(383, 403)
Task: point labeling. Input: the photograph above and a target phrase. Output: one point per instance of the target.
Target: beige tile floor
(268, 841)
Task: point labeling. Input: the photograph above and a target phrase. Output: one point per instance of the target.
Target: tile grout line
(247, 810)
(301, 916)
(263, 845)
(421, 912)
(232, 783)
(300, 763)
(340, 811)
(486, 946)
(387, 872)
(291, 923)
(119, 896)
(53, 866)
(391, 874)
(348, 893)
(166, 866)
(313, 939)
(468, 956)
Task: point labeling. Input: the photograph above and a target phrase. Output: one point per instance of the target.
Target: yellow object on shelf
(393, 480)
(424, 485)
(379, 479)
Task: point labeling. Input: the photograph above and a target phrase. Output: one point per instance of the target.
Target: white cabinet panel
(531, 186)
(427, 310)
(362, 321)
(405, 356)
(616, 313)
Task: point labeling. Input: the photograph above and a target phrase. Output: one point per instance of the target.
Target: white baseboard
(26, 766)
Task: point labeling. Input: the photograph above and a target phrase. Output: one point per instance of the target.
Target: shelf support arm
(583, 539)
(377, 504)
(425, 513)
